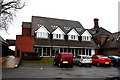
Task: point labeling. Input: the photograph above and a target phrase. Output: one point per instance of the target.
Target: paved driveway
(52, 71)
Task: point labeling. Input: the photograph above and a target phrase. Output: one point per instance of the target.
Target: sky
(83, 11)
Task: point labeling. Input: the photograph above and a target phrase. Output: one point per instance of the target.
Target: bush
(30, 56)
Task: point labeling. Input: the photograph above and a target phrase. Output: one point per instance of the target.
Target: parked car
(82, 60)
(101, 60)
(115, 60)
(62, 59)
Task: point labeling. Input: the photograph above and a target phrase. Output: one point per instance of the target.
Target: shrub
(30, 56)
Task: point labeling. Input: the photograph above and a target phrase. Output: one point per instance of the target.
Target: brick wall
(26, 31)
(24, 44)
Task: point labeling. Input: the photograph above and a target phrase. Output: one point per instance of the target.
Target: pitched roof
(112, 41)
(2, 41)
(47, 22)
(99, 32)
(11, 42)
(67, 43)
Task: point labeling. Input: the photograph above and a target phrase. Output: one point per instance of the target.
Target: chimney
(96, 23)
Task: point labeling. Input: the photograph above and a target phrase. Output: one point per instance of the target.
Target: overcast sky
(83, 11)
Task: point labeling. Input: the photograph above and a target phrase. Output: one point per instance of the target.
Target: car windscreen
(115, 56)
(86, 57)
(104, 57)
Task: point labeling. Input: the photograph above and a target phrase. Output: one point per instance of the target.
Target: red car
(62, 59)
(100, 60)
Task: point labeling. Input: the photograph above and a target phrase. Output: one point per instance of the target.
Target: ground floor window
(52, 51)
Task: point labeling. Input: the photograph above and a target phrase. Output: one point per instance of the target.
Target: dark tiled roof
(68, 43)
(112, 42)
(11, 42)
(99, 32)
(47, 22)
(2, 41)
(26, 24)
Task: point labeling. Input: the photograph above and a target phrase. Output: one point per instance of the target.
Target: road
(52, 71)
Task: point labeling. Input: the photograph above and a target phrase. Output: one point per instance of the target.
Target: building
(112, 44)
(48, 36)
(4, 47)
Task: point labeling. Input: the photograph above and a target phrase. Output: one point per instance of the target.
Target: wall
(24, 44)
(26, 31)
(110, 51)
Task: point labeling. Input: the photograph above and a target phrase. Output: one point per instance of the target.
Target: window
(79, 29)
(72, 37)
(86, 38)
(39, 25)
(67, 28)
(42, 35)
(58, 36)
(53, 26)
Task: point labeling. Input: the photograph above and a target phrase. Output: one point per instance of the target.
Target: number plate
(106, 62)
(65, 61)
(87, 60)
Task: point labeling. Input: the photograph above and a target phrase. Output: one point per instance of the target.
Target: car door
(94, 60)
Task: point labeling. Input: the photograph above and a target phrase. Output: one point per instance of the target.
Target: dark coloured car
(62, 59)
(115, 60)
(101, 60)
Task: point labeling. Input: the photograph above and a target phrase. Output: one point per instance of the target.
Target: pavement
(10, 62)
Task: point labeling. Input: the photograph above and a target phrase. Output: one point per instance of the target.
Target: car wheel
(112, 64)
(60, 65)
(80, 64)
(54, 63)
(71, 65)
(98, 64)
(89, 65)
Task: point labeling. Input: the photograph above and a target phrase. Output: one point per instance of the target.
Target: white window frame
(41, 35)
(72, 37)
(58, 36)
(86, 38)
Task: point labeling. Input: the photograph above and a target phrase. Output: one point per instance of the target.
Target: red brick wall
(24, 44)
(26, 31)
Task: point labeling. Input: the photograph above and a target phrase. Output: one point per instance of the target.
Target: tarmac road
(52, 71)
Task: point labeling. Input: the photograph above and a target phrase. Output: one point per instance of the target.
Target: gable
(73, 32)
(42, 29)
(86, 33)
(58, 31)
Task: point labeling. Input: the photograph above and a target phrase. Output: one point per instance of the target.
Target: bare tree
(8, 10)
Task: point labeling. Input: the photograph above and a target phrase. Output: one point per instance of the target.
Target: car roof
(99, 55)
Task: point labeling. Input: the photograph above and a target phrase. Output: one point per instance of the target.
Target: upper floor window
(72, 37)
(58, 36)
(41, 35)
(86, 38)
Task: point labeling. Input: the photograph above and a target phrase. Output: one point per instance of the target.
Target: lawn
(45, 60)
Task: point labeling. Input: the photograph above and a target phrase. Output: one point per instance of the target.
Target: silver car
(82, 60)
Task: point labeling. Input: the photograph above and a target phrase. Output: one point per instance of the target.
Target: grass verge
(45, 60)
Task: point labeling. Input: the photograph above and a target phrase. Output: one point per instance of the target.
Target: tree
(8, 10)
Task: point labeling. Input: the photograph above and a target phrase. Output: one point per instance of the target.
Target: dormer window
(42, 32)
(41, 35)
(58, 36)
(86, 38)
(72, 37)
